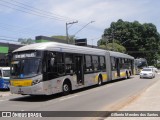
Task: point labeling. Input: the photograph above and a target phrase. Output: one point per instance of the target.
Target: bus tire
(127, 76)
(100, 81)
(66, 88)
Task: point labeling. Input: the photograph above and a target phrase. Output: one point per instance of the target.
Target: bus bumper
(29, 90)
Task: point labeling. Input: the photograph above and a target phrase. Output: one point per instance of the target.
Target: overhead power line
(35, 11)
(2, 36)
(19, 29)
(31, 10)
(8, 40)
(46, 12)
(21, 7)
(11, 30)
(26, 10)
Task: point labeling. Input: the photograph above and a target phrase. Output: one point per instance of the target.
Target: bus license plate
(21, 83)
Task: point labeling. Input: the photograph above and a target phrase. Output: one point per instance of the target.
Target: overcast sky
(30, 18)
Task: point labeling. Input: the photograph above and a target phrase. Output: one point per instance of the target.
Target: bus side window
(95, 63)
(69, 64)
(88, 63)
(60, 64)
(50, 63)
(121, 63)
(102, 63)
(113, 63)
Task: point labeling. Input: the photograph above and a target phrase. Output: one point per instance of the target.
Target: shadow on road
(118, 80)
(36, 98)
(41, 98)
(4, 90)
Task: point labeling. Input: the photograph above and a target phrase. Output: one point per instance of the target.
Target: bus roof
(61, 47)
(118, 54)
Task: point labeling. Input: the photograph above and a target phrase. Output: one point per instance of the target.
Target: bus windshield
(25, 68)
(6, 73)
(141, 63)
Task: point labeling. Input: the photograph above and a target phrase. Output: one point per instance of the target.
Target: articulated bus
(50, 68)
(140, 63)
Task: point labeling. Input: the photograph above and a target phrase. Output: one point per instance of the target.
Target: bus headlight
(36, 81)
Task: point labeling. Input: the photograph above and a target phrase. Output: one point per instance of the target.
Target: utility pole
(70, 23)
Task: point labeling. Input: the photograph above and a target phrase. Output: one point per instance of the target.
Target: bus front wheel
(66, 88)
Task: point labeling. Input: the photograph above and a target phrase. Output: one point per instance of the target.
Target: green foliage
(60, 37)
(140, 40)
(71, 39)
(113, 47)
(26, 41)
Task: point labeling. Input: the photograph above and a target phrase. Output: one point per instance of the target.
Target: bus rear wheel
(66, 88)
(99, 81)
(127, 75)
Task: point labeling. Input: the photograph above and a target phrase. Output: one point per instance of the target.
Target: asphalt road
(109, 97)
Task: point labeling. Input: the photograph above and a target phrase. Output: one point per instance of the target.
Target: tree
(140, 40)
(111, 46)
(114, 47)
(71, 38)
(26, 41)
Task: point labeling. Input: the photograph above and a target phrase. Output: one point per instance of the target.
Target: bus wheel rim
(66, 87)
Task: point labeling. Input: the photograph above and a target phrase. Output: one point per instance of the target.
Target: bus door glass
(132, 66)
(79, 69)
(118, 66)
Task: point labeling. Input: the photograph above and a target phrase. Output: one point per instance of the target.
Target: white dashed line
(66, 98)
(4, 100)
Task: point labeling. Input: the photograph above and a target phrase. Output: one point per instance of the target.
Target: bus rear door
(79, 69)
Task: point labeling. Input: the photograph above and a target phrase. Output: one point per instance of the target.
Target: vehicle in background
(154, 68)
(4, 77)
(140, 63)
(147, 73)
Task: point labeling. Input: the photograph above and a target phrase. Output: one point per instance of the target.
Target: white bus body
(50, 68)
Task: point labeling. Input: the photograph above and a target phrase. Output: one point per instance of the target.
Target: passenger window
(50, 65)
(102, 63)
(60, 63)
(95, 62)
(69, 64)
(88, 63)
(113, 63)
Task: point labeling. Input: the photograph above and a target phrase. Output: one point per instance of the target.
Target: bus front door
(79, 70)
(118, 67)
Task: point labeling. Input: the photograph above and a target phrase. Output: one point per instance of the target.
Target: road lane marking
(4, 100)
(66, 98)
